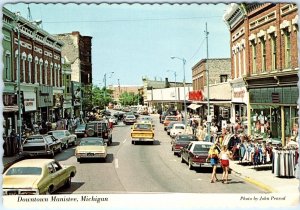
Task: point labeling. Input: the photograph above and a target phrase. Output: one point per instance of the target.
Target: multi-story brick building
(265, 55)
(78, 53)
(40, 69)
(219, 72)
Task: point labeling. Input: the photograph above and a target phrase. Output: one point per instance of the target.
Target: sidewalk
(8, 161)
(263, 177)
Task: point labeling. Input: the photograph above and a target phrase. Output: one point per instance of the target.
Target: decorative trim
(253, 38)
(41, 61)
(286, 24)
(24, 55)
(30, 58)
(46, 63)
(36, 59)
(263, 20)
(262, 35)
(287, 9)
(295, 23)
(270, 30)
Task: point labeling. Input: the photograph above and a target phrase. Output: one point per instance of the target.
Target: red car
(195, 154)
(181, 141)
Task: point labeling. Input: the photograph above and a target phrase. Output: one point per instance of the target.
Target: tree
(128, 99)
(98, 98)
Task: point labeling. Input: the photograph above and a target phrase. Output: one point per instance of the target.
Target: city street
(144, 168)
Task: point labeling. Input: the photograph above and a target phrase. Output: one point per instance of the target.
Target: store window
(223, 78)
(7, 67)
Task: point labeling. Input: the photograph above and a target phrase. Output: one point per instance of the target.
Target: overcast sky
(138, 40)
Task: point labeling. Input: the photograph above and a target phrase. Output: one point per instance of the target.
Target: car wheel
(132, 142)
(68, 182)
(78, 160)
(182, 160)
(49, 191)
(90, 132)
(67, 145)
(190, 165)
(74, 142)
(172, 149)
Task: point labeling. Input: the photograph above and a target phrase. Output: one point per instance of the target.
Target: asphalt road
(144, 168)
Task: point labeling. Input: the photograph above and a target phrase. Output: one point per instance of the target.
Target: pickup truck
(143, 132)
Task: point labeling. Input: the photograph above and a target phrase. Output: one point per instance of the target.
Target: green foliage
(101, 96)
(128, 99)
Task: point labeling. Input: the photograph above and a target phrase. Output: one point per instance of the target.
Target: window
(223, 78)
(273, 51)
(287, 45)
(253, 57)
(263, 55)
(7, 76)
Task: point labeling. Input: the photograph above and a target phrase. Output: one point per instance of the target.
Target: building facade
(77, 52)
(40, 69)
(265, 55)
(119, 89)
(219, 74)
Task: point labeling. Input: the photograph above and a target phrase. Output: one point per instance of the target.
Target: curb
(8, 164)
(255, 182)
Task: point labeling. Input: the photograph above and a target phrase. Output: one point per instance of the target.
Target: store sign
(239, 95)
(45, 96)
(29, 101)
(196, 95)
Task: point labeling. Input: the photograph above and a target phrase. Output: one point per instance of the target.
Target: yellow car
(36, 176)
(91, 147)
(142, 132)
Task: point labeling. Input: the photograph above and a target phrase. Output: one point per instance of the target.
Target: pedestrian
(213, 155)
(225, 155)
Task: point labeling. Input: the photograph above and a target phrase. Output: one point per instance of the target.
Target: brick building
(40, 70)
(265, 55)
(219, 73)
(77, 51)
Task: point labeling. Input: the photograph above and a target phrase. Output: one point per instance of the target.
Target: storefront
(274, 113)
(45, 102)
(239, 101)
(30, 108)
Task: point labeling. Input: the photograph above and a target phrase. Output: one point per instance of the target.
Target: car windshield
(81, 126)
(172, 118)
(202, 147)
(142, 126)
(24, 171)
(57, 134)
(179, 127)
(185, 138)
(91, 142)
(35, 140)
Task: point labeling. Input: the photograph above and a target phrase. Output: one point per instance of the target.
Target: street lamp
(105, 85)
(184, 101)
(17, 28)
(175, 74)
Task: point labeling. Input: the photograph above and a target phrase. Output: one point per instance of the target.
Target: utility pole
(207, 81)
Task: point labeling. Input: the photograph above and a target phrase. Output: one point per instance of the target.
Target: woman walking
(225, 155)
(213, 155)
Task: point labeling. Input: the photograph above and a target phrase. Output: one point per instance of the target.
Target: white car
(178, 128)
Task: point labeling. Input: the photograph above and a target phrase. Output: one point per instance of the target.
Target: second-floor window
(7, 67)
(273, 51)
(223, 78)
(253, 57)
(263, 55)
(287, 46)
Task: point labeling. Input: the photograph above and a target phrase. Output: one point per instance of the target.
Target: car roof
(202, 142)
(179, 124)
(147, 123)
(33, 162)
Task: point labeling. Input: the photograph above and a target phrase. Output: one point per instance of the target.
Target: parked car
(181, 141)
(41, 145)
(91, 147)
(99, 129)
(143, 132)
(129, 120)
(119, 115)
(178, 128)
(169, 127)
(80, 130)
(195, 154)
(36, 176)
(169, 119)
(65, 137)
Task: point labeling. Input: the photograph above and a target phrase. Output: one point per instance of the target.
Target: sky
(136, 41)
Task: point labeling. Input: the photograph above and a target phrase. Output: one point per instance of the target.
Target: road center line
(124, 141)
(116, 163)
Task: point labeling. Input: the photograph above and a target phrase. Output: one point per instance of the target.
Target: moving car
(80, 130)
(91, 147)
(145, 119)
(169, 119)
(64, 136)
(36, 176)
(129, 120)
(143, 132)
(181, 141)
(178, 128)
(195, 154)
(99, 129)
(41, 145)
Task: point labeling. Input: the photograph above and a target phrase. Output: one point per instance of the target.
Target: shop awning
(194, 106)
(10, 108)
